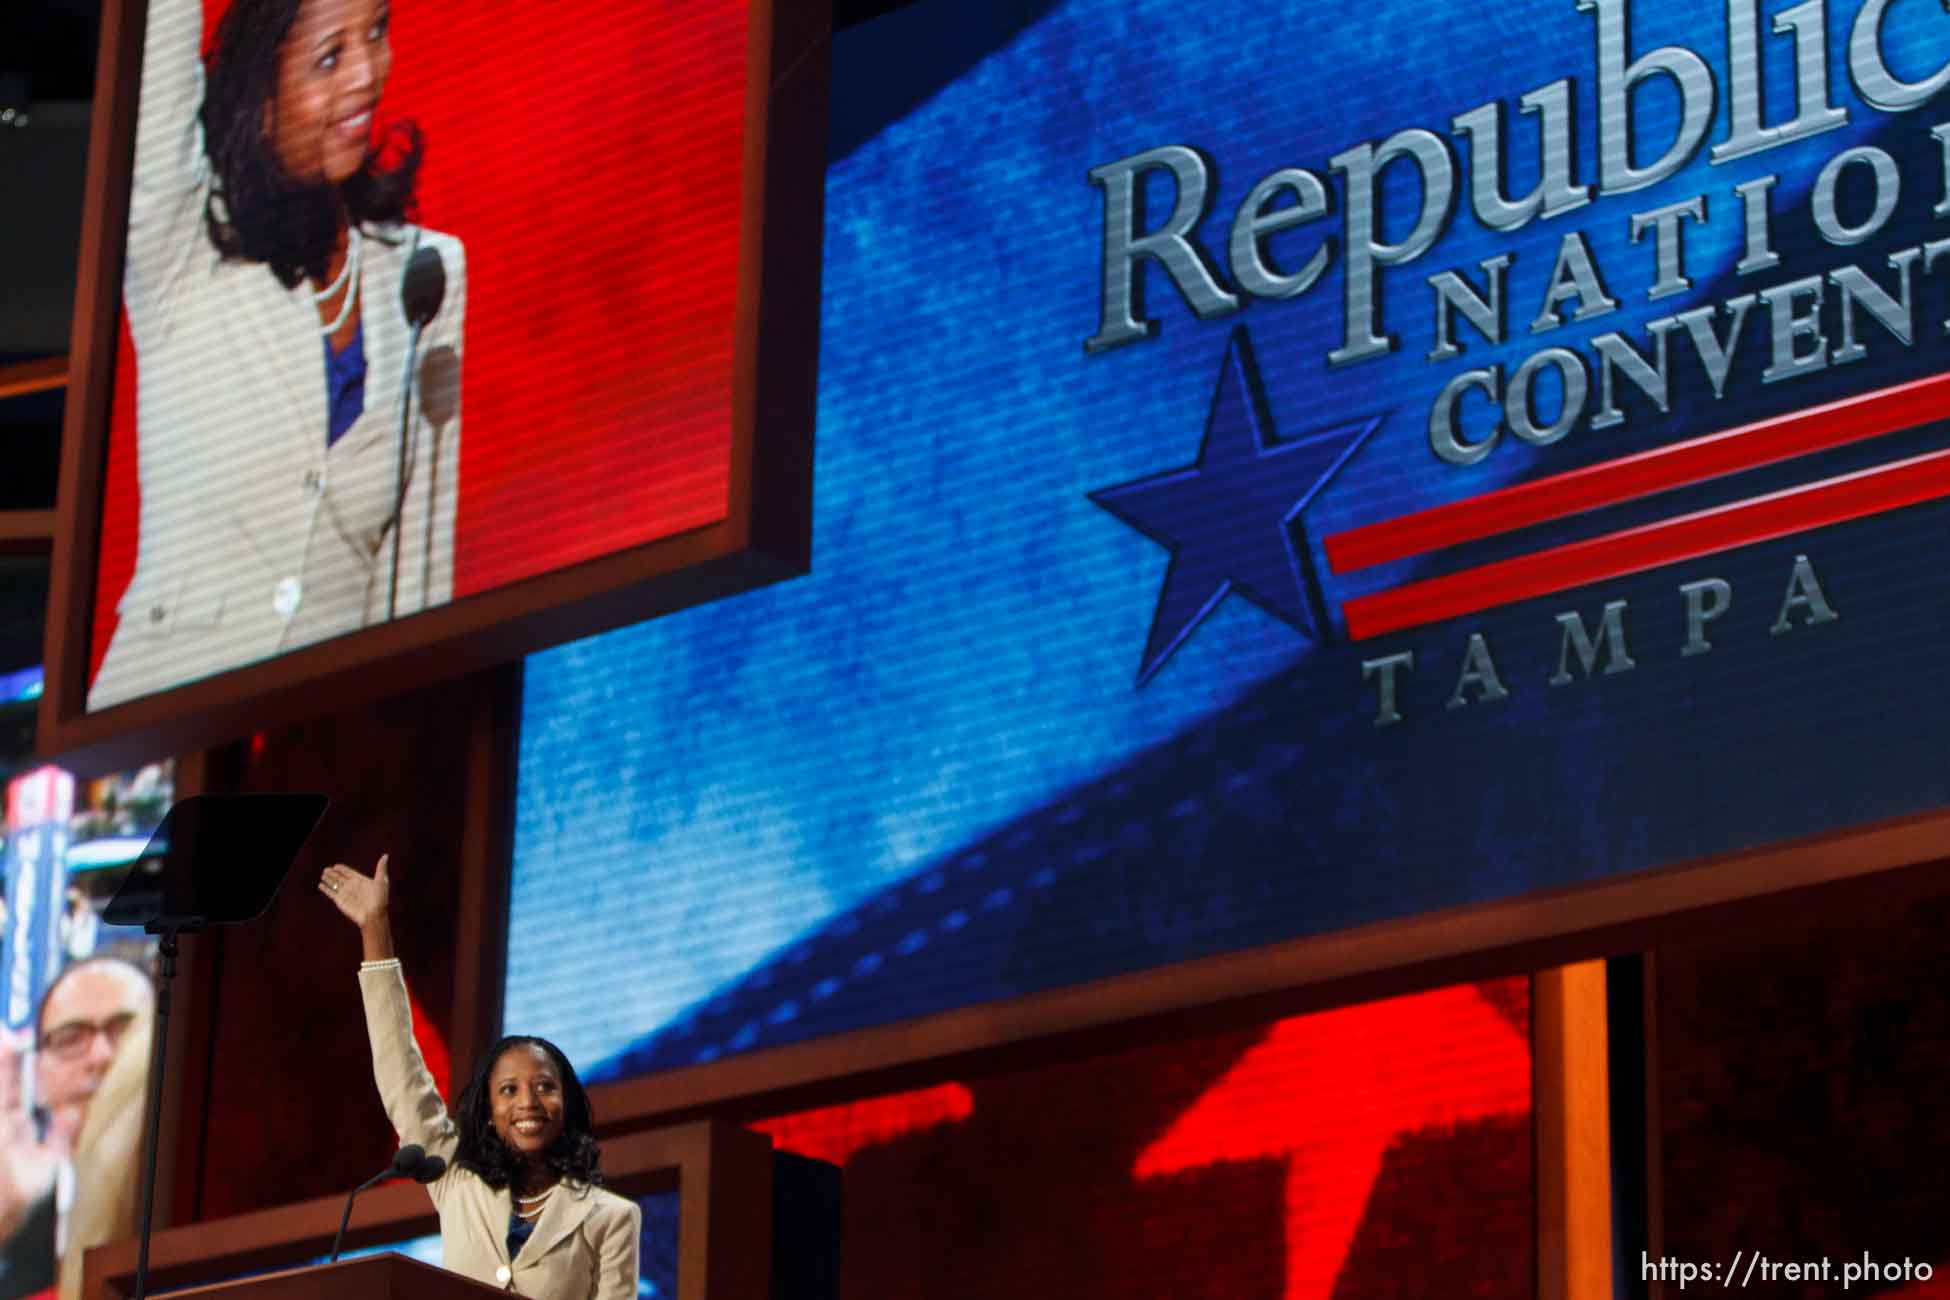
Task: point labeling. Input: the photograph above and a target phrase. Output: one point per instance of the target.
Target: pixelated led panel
(66, 846)
(590, 401)
(1272, 488)
(1296, 1160)
(599, 211)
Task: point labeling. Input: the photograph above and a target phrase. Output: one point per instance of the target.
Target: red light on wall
(1295, 1161)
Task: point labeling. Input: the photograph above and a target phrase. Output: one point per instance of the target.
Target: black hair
(573, 1155)
(258, 211)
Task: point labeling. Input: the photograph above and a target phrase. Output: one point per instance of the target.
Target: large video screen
(1291, 1159)
(1279, 473)
(418, 304)
(77, 1008)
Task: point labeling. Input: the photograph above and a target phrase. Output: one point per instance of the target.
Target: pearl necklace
(533, 1204)
(349, 272)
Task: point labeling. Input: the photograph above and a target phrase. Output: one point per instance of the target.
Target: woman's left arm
(616, 1256)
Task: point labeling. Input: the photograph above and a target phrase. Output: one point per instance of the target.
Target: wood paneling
(24, 377)
(722, 1176)
(1573, 1122)
(278, 1104)
(26, 532)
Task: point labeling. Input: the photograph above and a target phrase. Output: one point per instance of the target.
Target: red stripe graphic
(1670, 541)
(1834, 424)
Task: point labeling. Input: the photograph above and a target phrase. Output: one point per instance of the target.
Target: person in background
(108, 1158)
(27, 1176)
(80, 926)
(95, 1015)
(521, 1204)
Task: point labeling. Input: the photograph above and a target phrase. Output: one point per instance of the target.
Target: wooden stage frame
(721, 1174)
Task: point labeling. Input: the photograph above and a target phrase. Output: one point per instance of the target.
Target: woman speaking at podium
(521, 1206)
(298, 481)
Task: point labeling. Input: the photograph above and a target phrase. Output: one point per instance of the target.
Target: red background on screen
(589, 156)
(1374, 1151)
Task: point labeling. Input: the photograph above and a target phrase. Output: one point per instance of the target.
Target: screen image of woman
(298, 392)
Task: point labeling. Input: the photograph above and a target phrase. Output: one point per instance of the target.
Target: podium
(371, 1277)
(752, 1224)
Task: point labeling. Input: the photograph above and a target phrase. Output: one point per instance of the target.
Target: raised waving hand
(365, 901)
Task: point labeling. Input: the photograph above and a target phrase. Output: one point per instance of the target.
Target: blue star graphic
(1232, 520)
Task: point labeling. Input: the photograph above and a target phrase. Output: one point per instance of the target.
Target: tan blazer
(585, 1244)
(254, 537)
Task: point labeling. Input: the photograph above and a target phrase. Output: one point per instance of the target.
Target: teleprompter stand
(217, 859)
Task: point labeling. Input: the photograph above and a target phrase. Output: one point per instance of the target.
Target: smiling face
(525, 1100)
(332, 69)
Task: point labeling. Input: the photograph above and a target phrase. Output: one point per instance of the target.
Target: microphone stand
(213, 860)
(413, 1162)
(399, 473)
(423, 287)
(167, 928)
(339, 1240)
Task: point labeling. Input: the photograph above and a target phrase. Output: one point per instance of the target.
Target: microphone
(412, 1161)
(422, 288)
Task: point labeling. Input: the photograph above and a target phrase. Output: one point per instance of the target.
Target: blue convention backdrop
(1070, 691)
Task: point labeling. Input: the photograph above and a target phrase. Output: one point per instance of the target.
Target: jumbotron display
(1281, 471)
(76, 1020)
(421, 307)
(573, 323)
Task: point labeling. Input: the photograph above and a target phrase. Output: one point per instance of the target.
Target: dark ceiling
(47, 47)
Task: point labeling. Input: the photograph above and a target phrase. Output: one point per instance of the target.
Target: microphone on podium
(411, 1162)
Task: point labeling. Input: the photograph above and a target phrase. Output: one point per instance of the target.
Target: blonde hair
(108, 1156)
